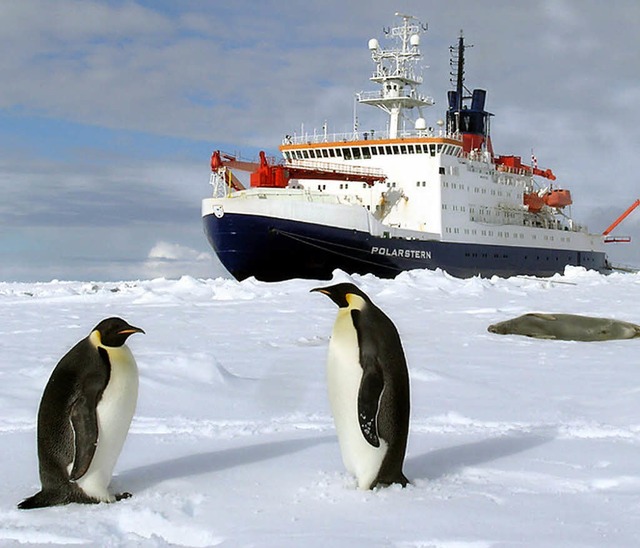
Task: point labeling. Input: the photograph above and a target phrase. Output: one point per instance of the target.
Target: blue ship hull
(276, 249)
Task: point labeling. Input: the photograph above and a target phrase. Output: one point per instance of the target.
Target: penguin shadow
(449, 460)
(144, 477)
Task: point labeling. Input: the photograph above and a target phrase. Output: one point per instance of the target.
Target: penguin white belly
(114, 411)
(344, 374)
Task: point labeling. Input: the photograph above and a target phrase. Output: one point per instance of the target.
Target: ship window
(439, 149)
(332, 153)
(366, 153)
(305, 154)
(374, 151)
(356, 153)
(417, 183)
(339, 152)
(325, 153)
(388, 149)
(432, 150)
(346, 153)
(410, 149)
(395, 149)
(441, 170)
(312, 154)
(403, 149)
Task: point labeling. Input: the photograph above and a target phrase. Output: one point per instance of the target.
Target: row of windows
(345, 186)
(365, 153)
(505, 256)
(503, 234)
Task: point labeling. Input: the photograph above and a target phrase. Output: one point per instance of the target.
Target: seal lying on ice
(566, 327)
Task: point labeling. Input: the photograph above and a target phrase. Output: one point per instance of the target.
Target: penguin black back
(67, 418)
(383, 405)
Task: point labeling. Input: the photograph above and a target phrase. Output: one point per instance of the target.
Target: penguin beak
(320, 290)
(130, 330)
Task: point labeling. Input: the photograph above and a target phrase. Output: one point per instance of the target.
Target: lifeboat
(558, 198)
(534, 201)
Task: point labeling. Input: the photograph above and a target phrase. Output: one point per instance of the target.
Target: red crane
(270, 174)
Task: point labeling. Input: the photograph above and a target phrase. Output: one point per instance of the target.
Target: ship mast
(395, 73)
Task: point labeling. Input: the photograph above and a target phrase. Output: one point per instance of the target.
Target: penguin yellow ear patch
(95, 338)
(354, 301)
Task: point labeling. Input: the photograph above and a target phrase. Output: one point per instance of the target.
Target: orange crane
(267, 173)
(618, 221)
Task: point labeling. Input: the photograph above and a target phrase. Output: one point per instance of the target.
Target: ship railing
(370, 135)
(330, 167)
(406, 96)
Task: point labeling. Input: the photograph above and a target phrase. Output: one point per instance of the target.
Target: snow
(513, 441)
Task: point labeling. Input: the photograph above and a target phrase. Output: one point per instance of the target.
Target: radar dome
(414, 40)
(421, 124)
(373, 44)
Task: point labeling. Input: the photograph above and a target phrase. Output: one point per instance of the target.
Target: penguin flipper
(371, 387)
(85, 427)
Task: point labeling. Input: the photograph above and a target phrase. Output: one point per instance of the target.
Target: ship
(413, 195)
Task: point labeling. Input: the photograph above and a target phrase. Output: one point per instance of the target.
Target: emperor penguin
(368, 386)
(84, 418)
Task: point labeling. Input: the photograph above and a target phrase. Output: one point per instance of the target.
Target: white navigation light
(414, 40)
(373, 44)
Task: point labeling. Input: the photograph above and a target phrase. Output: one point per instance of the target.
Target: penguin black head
(339, 293)
(115, 331)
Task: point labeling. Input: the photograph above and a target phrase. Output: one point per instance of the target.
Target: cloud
(166, 251)
(171, 260)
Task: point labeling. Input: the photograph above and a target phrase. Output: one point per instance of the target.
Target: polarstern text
(405, 253)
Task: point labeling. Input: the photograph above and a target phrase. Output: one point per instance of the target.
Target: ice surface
(513, 441)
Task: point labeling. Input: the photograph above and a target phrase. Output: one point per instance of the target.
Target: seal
(566, 327)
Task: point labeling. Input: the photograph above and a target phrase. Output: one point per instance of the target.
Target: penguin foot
(122, 496)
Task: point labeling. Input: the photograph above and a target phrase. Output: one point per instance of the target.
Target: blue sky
(109, 110)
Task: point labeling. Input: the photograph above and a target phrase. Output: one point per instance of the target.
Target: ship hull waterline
(275, 249)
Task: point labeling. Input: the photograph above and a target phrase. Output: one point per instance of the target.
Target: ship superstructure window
(346, 153)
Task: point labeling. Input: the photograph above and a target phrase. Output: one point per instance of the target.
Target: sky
(109, 111)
